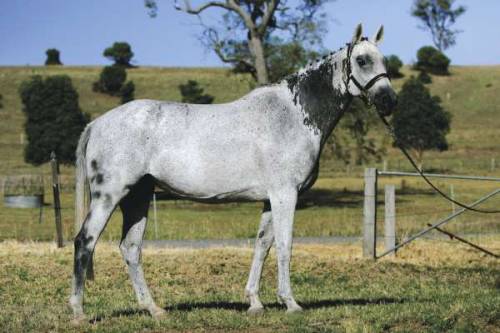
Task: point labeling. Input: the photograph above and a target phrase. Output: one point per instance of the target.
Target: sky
(81, 30)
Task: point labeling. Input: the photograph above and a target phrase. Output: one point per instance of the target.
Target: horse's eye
(361, 62)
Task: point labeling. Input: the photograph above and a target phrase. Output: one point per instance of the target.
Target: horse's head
(365, 73)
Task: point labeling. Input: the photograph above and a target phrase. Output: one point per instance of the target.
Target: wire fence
(327, 211)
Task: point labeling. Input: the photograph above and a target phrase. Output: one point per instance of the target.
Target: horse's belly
(216, 175)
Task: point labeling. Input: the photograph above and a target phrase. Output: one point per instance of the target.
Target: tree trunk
(257, 50)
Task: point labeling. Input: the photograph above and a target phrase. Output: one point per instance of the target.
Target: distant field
(469, 93)
(430, 287)
(333, 208)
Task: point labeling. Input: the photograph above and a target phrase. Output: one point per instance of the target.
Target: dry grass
(430, 286)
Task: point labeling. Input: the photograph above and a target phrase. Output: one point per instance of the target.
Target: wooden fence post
(390, 218)
(57, 200)
(370, 213)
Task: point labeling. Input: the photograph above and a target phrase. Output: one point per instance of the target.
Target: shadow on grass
(329, 198)
(242, 307)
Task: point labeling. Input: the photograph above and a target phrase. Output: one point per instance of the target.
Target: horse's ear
(358, 33)
(379, 36)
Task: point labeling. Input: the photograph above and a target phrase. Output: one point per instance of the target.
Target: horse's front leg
(283, 209)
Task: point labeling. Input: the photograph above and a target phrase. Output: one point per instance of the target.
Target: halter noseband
(347, 67)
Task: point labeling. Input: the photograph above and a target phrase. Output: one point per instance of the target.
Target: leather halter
(347, 67)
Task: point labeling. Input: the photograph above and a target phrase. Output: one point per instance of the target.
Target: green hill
(469, 93)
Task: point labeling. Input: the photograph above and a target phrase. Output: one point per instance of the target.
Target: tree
(420, 122)
(121, 53)
(52, 57)
(127, 92)
(111, 80)
(438, 16)
(54, 119)
(432, 60)
(247, 28)
(192, 93)
(393, 64)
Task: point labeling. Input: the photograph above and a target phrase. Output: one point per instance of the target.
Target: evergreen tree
(420, 122)
(120, 52)
(192, 93)
(127, 92)
(52, 57)
(54, 119)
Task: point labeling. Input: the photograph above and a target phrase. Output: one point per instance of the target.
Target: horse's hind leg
(134, 207)
(263, 243)
(100, 210)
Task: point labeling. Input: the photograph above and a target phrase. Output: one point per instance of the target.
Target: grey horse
(262, 147)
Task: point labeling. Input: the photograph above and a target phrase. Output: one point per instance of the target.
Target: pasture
(431, 286)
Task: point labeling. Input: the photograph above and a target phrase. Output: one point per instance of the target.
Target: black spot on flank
(99, 178)
(261, 234)
(127, 262)
(93, 165)
(96, 195)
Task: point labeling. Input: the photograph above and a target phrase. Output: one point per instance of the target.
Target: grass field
(333, 207)
(431, 286)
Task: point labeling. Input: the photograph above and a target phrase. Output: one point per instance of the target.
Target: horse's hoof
(255, 310)
(157, 312)
(294, 309)
(78, 320)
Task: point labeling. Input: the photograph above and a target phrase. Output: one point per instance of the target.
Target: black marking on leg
(261, 234)
(93, 164)
(107, 200)
(82, 254)
(96, 195)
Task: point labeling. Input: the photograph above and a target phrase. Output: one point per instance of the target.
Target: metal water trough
(23, 201)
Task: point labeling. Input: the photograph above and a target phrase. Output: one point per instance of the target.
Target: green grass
(431, 286)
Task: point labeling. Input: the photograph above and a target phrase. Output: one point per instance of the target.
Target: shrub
(192, 93)
(393, 64)
(120, 52)
(111, 80)
(432, 60)
(52, 57)
(54, 119)
(127, 92)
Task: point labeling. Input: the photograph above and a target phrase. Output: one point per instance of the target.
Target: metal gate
(370, 211)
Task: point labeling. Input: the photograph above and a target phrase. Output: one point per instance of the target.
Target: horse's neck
(320, 94)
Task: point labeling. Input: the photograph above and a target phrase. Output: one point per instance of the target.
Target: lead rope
(412, 162)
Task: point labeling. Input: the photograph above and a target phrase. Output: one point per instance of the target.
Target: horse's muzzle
(385, 101)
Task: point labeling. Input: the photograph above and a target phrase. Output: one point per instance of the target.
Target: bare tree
(244, 31)
(438, 16)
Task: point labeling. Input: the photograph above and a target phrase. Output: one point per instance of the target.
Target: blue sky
(82, 29)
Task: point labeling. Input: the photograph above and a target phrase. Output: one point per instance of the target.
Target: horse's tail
(81, 182)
